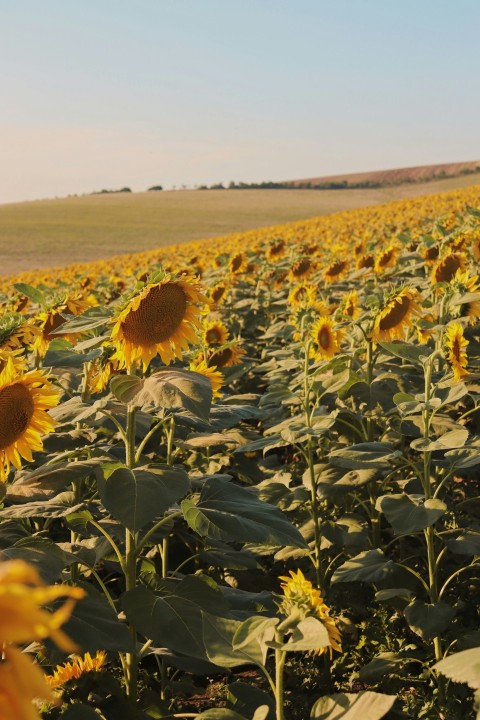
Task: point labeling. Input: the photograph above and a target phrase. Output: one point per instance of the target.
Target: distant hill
(397, 176)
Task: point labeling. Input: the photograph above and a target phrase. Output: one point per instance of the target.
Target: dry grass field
(48, 233)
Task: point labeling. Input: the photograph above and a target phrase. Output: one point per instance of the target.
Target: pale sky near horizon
(110, 93)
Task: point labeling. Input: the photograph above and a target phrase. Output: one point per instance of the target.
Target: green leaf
(462, 667)
(31, 292)
(166, 388)
(59, 506)
(253, 628)
(172, 621)
(368, 566)
(308, 635)
(218, 634)
(249, 699)
(79, 711)
(405, 351)
(466, 544)
(92, 318)
(136, 497)
(228, 512)
(408, 513)
(428, 620)
(383, 665)
(347, 706)
(48, 480)
(60, 353)
(364, 455)
(450, 440)
(41, 552)
(95, 626)
(220, 714)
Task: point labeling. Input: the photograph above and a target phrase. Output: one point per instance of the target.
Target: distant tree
(155, 188)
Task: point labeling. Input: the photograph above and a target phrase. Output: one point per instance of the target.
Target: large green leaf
(368, 566)
(228, 512)
(79, 711)
(347, 706)
(166, 388)
(61, 354)
(136, 497)
(448, 441)
(218, 634)
(428, 620)
(408, 513)
(95, 626)
(462, 667)
(59, 506)
(248, 699)
(364, 455)
(407, 351)
(48, 480)
(41, 552)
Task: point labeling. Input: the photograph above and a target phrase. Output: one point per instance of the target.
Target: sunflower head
(335, 271)
(24, 401)
(301, 269)
(303, 295)
(386, 258)
(326, 338)
(276, 249)
(16, 332)
(366, 262)
(214, 332)
(74, 669)
(349, 305)
(300, 596)
(446, 267)
(159, 320)
(230, 355)
(217, 293)
(455, 349)
(396, 315)
(215, 376)
(237, 263)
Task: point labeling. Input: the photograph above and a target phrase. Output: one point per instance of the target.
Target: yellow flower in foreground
(299, 594)
(22, 596)
(161, 320)
(76, 668)
(21, 681)
(326, 338)
(391, 320)
(455, 345)
(215, 376)
(24, 400)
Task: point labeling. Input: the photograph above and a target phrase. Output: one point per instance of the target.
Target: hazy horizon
(116, 94)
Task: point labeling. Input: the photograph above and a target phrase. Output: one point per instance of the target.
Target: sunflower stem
(280, 657)
(131, 658)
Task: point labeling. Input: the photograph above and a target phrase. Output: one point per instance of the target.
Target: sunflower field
(240, 476)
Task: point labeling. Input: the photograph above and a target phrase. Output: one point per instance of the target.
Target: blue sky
(106, 93)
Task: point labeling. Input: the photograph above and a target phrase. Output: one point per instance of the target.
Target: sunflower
(365, 262)
(467, 284)
(237, 263)
(326, 338)
(446, 268)
(76, 668)
(391, 321)
(349, 305)
(456, 344)
(161, 319)
(276, 249)
(24, 400)
(300, 597)
(301, 269)
(16, 332)
(50, 320)
(18, 360)
(215, 332)
(430, 254)
(230, 355)
(22, 597)
(215, 376)
(217, 293)
(303, 295)
(386, 258)
(335, 271)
